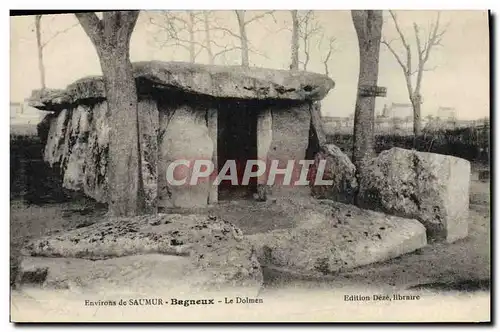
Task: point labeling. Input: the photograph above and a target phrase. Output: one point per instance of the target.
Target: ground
(463, 265)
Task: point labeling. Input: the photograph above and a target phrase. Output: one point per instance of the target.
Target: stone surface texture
(199, 79)
(338, 237)
(78, 142)
(177, 112)
(212, 248)
(289, 142)
(187, 138)
(340, 170)
(429, 187)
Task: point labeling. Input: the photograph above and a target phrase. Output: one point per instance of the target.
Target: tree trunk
(208, 40)
(41, 67)
(124, 163)
(111, 38)
(417, 123)
(368, 25)
(295, 41)
(243, 38)
(192, 54)
(306, 53)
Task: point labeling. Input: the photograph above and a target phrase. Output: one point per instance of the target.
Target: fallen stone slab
(213, 247)
(338, 237)
(429, 187)
(140, 274)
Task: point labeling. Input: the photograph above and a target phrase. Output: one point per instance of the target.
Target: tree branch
(228, 31)
(398, 59)
(57, 34)
(401, 35)
(92, 26)
(258, 17)
(419, 44)
(328, 55)
(226, 51)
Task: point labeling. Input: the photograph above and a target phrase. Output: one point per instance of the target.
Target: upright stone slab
(315, 109)
(76, 146)
(96, 157)
(148, 131)
(187, 138)
(165, 114)
(429, 187)
(264, 139)
(55, 139)
(340, 170)
(290, 138)
(212, 132)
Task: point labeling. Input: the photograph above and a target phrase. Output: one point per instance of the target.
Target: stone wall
(78, 143)
(170, 130)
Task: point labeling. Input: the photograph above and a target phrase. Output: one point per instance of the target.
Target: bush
(467, 143)
(30, 177)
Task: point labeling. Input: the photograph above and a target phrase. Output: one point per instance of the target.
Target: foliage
(471, 143)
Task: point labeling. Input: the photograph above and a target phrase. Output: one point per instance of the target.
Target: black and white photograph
(277, 166)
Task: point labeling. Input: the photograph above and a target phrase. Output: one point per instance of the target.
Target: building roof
(209, 80)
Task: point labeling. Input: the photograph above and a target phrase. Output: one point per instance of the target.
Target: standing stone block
(340, 170)
(96, 157)
(212, 132)
(148, 131)
(429, 187)
(264, 139)
(187, 138)
(77, 139)
(290, 138)
(165, 114)
(316, 122)
(55, 140)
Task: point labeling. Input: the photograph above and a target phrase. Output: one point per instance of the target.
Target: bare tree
(41, 67)
(191, 31)
(306, 27)
(309, 27)
(41, 45)
(410, 68)
(331, 49)
(179, 30)
(111, 39)
(244, 44)
(368, 26)
(216, 49)
(240, 14)
(208, 39)
(295, 40)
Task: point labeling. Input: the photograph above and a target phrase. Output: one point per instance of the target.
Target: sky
(460, 66)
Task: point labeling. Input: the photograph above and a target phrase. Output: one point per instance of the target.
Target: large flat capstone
(208, 80)
(429, 187)
(213, 251)
(336, 238)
